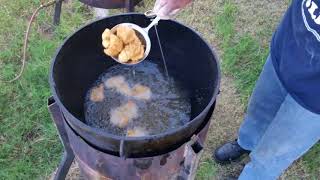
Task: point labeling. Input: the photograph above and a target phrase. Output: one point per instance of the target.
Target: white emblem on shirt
(312, 7)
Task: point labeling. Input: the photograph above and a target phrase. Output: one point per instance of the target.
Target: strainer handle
(150, 14)
(154, 22)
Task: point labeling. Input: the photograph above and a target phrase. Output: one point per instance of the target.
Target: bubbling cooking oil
(168, 107)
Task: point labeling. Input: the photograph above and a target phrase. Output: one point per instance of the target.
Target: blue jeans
(276, 129)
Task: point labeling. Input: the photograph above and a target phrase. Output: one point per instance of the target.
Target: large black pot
(80, 60)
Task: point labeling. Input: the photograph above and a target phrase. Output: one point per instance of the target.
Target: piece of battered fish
(141, 92)
(124, 114)
(119, 84)
(112, 43)
(132, 51)
(97, 94)
(126, 34)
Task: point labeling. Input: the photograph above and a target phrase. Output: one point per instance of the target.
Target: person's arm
(167, 8)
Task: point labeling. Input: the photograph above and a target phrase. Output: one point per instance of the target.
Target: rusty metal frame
(68, 155)
(180, 164)
(129, 6)
(57, 12)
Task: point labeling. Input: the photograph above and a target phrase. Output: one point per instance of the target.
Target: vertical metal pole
(130, 5)
(68, 155)
(57, 12)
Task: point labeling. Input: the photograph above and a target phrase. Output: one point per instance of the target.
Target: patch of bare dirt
(31, 135)
(226, 120)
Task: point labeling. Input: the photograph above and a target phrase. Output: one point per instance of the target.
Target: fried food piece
(123, 57)
(141, 92)
(119, 84)
(137, 40)
(132, 51)
(114, 81)
(97, 94)
(124, 114)
(115, 46)
(106, 34)
(125, 45)
(138, 91)
(137, 132)
(126, 34)
(112, 43)
(139, 55)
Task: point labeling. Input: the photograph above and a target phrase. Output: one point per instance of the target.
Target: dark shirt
(295, 50)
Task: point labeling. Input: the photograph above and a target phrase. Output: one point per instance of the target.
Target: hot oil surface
(168, 108)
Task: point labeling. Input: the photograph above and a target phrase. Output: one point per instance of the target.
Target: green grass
(29, 145)
(312, 161)
(243, 58)
(207, 170)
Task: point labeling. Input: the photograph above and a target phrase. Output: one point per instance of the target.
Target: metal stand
(181, 163)
(129, 5)
(57, 12)
(68, 155)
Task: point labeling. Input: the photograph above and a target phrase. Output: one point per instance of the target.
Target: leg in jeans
(293, 132)
(264, 104)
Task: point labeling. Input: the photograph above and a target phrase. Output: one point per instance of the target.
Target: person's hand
(167, 8)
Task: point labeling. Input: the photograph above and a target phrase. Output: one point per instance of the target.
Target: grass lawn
(29, 145)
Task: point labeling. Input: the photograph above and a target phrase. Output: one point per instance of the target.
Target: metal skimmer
(143, 34)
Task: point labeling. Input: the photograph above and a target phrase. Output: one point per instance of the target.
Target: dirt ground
(226, 120)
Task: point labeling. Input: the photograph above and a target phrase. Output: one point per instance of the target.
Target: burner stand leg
(57, 12)
(130, 5)
(68, 155)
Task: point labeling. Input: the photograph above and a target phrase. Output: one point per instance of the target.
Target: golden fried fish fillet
(126, 34)
(124, 114)
(106, 34)
(132, 51)
(112, 43)
(141, 92)
(125, 44)
(97, 94)
(115, 46)
(119, 84)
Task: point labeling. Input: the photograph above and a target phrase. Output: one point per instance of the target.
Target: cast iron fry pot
(80, 61)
